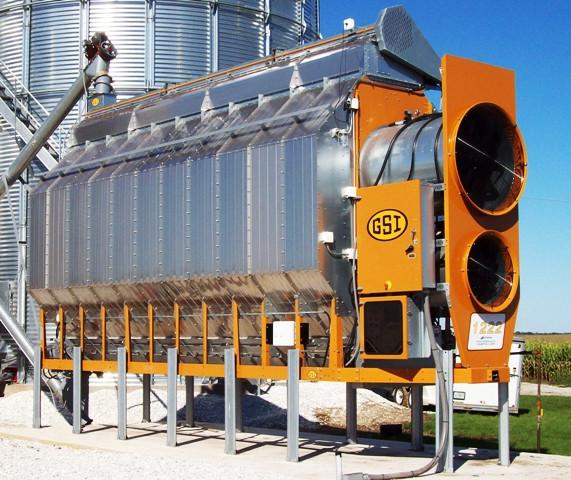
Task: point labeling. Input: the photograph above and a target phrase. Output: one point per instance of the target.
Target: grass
(481, 429)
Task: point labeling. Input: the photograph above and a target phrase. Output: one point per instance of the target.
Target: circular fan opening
(491, 275)
(490, 159)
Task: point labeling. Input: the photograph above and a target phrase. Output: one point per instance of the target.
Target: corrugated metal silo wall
(11, 56)
(54, 53)
(182, 41)
(241, 32)
(159, 41)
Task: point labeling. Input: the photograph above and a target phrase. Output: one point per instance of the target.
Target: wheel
(401, 396)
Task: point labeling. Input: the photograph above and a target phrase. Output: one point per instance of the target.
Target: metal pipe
(17, 333)
(100, 51)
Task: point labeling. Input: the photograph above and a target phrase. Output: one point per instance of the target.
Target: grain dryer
(314, 200)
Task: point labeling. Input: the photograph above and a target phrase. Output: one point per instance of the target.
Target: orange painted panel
(466, 84)
(381, 105)
(389, 238)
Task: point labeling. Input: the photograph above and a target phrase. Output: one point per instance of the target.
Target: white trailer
(484, 396)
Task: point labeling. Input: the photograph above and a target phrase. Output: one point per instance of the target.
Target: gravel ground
(548, 390)
(321, 405)
(70, 463)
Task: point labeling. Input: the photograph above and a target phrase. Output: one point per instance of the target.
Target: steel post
(417, 419)
(146, 397)
(37, 399)
(189, 408)
(172, 360)
(229, 401)
(293, 405)
(122, 393)
(504, 424)
(447, 461)
(351, 412)
(77, 390)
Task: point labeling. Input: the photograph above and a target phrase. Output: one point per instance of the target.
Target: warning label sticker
(486, 331)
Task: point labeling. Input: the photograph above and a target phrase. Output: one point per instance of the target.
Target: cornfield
(556, 359)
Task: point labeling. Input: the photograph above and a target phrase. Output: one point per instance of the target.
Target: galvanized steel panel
(124, 23)
(37, 240)
(124, 215)
(77, 232)
(147, 227)
(11, 37)
(54, 46)
(98, 234)
(175, 230)
(311, 20)
(268, 236)
(182, 40)
(300, 203)
(56, 237)
(285, 23)
(203, 216)
(232, 227)
(240, 32)
(8, 207)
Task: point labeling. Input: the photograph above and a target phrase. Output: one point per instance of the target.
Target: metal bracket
(445, 288)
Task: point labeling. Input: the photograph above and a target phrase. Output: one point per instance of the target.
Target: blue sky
(534, 39)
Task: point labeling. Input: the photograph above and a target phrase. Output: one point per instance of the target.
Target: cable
(328, 341)
(436, 351)
(436, 143)
(415, 144)
(396, 137)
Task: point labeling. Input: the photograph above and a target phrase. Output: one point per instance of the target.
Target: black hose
(397, 135)
(415, 144)
(436, 167)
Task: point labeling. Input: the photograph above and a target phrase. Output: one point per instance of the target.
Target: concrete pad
(262, 453)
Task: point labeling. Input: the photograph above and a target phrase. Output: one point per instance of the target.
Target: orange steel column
(265, 353)
(236, 330)
(103, 314)
(204, 333)
(298, 329)
(61, 316)
(176, 314)
(81, 326)
(335, 338)
(151, 317)
(43, 331)
(127, 320)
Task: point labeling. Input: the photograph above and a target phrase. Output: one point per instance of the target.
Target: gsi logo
(387, 225)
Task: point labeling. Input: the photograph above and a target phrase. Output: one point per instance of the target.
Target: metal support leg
(293, 405)
(447, 461)
(122, 393)
(37, 401)
(229, 401)
(417, 419)
(351, 412)
(146, 397)
(77, 390)
(189, 387)
(504, 424)
(172, 360)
